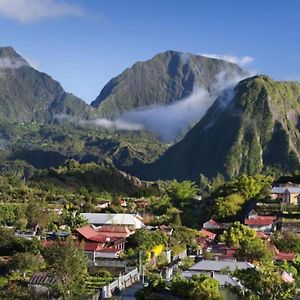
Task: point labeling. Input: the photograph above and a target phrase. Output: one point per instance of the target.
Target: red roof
(114, 231)
(207, 233)
(87, 231)
(90, 234)
(260, 220)
(288, 256)
(90, 246)
(202, 242)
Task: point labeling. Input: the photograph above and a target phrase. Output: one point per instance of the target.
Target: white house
(130, 220)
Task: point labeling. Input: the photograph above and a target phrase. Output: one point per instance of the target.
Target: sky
(84, 43)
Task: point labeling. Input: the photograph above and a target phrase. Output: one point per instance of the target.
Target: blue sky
(84, 43)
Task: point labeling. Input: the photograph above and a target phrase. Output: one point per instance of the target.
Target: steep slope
(165, 78)
(257, 130)
(29, 95)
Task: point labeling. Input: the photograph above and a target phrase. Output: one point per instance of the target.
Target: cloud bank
(11, 63)
(241, 61)
(101, 122)
(169, 121)
(26, 11)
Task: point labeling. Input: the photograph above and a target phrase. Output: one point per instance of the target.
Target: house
(291, 195)
(213, 225)
(208, 266)
(288, 193)
(204, 240)
(277, 192)
(221, 252)
(207, 234)
(259, 222)
(40, 284)
(129, 220)
(108, 243)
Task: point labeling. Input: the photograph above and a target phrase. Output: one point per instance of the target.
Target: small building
(102, 244)
(291, 195)
(208, 266)
(287, 193)
(220, 251)
(259, 222)
(40, 285)
(214, 225)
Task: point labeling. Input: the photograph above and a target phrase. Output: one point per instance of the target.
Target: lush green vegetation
(254, 133)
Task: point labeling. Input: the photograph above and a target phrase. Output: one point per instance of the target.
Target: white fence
(122, 282)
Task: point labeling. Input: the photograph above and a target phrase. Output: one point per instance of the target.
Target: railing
(122, 282)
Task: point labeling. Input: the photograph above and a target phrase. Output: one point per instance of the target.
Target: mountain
(256, 129)
(165, 78)
(29, 95)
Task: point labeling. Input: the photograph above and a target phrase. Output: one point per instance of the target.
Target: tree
(266, 283)
(236, 233)
(160, 206)
(26, 262)
(199, 287)
(68, 266)
(253, 249)
(74, 219)
(287, 241)
(229, 206)
(181, 192)
(145, 240)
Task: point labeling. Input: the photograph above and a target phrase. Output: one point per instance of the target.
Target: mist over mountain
(29, 95)
(255, 130)
(164, 79)
(168, 93)
(240, 126)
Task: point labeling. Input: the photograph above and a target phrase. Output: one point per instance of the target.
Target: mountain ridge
(163, 79)
(256, 131)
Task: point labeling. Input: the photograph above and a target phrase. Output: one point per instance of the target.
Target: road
(128, 294)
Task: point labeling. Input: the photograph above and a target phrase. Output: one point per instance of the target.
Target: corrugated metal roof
(42, 279)
(282, 189)
(217, 265)
(223, 279)
(117, 219)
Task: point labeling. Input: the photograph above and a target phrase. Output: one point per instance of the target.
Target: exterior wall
(294, 199)
(262, 227)
(105, 255)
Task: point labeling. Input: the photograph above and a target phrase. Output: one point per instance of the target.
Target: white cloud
(242, 60)
(11, 63)
(26, 11)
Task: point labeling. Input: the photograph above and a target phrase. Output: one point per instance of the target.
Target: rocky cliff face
(29, 95)
(165, 78)
(257, 129)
